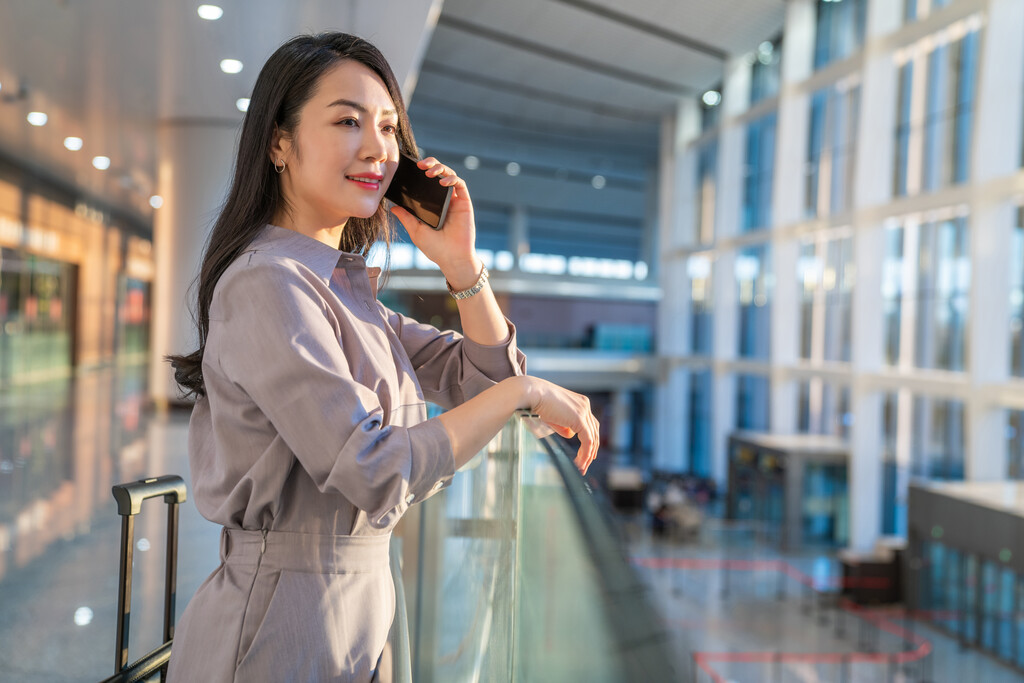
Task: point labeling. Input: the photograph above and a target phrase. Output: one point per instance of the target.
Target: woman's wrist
(464, 274)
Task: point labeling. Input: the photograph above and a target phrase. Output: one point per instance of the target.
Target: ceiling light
(83, 616)
(242, 103)
(37, 118)
(210, 12)
(101, 163)
(74, 144)
(156, 201)
(712, 98)
(512, 168)
(471, 162)
(598, 182)
(230, 66)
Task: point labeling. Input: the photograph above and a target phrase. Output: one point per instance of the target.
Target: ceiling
(568, 89)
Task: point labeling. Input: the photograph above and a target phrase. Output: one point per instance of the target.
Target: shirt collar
(321, 258)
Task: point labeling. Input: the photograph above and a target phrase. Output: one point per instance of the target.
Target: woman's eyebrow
(342, 102)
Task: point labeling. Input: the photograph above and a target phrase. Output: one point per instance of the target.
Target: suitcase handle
(129, 496)
(129, 499)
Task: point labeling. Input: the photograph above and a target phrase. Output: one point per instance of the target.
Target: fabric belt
(294, 551)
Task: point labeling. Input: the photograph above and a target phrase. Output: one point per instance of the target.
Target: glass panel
(903, 108)
(752, 266)
(752, 402)
(700, 423)
(839, 30)
(943, 284)
(937, 441)
(971, 596)
(758, 173)
(699, 269)
(766, 71)
(707, 169)
(1017, 295)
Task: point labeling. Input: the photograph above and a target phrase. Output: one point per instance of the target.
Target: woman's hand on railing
(568, 414)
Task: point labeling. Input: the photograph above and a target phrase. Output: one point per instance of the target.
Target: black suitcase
(129, 497)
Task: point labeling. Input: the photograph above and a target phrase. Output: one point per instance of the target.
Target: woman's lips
(368, 182)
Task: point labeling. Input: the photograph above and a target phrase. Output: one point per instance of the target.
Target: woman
(309, 436)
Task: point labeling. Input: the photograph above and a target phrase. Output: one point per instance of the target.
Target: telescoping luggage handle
(129, 499)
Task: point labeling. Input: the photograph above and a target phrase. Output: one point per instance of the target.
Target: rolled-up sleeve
(283, 350)
(452, 368)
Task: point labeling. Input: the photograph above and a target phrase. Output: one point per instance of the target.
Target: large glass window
(1015, 444)
(1017, 296)
(699, 269)
(700, 423)
(895, 474)
(758, 173)
(824, 408)
(937, 439)
(943, 293)
(926, 295)
(939, 138)
(766, 72)
(707, 168)
(753, 287)
(830, 149)
(825, 269)
(752, 401)
(839, 30)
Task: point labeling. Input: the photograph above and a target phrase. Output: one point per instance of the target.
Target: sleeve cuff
(497, 361)
(433, 464)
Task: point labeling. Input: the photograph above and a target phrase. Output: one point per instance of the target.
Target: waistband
(294, 551)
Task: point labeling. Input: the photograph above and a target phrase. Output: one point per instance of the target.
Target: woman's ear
(280, 147)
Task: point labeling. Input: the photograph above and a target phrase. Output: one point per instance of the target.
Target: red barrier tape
(876, 618)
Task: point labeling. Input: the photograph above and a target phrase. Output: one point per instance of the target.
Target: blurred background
(780, 244)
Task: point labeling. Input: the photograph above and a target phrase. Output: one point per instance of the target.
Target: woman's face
(344, 150)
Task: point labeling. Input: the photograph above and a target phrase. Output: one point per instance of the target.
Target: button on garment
(313, 429)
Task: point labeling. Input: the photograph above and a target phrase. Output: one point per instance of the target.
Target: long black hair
(287, 81)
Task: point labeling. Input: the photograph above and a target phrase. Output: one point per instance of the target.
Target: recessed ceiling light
(598, 182)
(471, 162)
(230, 66)
(37, 118)
(83, 616)
(242, 103)
(156, 201)
(512, 168)
(712, 98)
(101, 163)
(210, 12)
(74, 144)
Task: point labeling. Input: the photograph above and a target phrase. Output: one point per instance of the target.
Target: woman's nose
(375, 146)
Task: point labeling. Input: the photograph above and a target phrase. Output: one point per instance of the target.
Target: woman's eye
(347, 122)
(388, 128)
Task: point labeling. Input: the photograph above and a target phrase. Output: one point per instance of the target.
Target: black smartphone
(424, 197)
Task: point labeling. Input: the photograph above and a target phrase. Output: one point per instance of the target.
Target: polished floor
(738, 611)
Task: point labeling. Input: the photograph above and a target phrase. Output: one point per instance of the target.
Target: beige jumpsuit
(310, 444)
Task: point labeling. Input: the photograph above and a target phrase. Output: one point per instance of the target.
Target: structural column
(192, 177)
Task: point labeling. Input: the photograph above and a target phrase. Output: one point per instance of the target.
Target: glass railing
(516, 573)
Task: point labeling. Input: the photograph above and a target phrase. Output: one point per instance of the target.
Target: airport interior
(779, 245)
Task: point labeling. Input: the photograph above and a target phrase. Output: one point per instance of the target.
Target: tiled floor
(720, 596)
(63, 445)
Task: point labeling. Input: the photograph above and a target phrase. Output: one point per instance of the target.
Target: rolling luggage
(129, 497)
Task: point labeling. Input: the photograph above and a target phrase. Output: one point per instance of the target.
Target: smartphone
(424, 197)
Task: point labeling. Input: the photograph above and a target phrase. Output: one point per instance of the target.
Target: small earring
(279, 169)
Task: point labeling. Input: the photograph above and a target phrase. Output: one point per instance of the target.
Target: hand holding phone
(422, 196)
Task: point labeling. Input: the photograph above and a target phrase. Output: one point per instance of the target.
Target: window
(830, 150)
(824, 408)
(752, 402)
(707, 168)
(766, 72)
(752, 284)
(937, 439)
(825, 270)
(839, 30)
(758, 173)
(926, 297)
(700, 423)
(1015, 444)
(1017, 296)
(699, 269)
(943, 292)
(940, 137)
